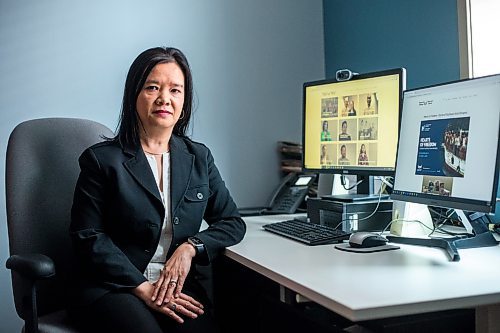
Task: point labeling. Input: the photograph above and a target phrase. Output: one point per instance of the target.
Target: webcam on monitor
(344, 74)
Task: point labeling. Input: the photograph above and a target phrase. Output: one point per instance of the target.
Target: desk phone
(286, 198)
(290, 194)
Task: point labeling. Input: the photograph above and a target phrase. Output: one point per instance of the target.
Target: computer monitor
(351, 127)
(448, 154)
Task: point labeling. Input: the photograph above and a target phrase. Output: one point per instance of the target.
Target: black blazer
(117, 213)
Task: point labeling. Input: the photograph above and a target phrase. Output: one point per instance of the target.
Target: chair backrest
(41, 173)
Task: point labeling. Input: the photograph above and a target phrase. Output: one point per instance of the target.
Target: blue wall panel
(366, 35)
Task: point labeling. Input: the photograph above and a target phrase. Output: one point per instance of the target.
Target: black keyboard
(307, 233)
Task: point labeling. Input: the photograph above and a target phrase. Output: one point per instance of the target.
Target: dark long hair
(129, 124)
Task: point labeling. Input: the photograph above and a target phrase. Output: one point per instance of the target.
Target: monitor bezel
(354, 170)
(450, 202)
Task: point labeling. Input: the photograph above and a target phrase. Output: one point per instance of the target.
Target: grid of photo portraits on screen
(349, 131)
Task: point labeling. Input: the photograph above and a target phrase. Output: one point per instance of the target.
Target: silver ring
(173, 307)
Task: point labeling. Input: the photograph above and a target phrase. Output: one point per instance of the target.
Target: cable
(443, 219)
(367, 217)
(385, 181)
(342, 181)
(404, 220)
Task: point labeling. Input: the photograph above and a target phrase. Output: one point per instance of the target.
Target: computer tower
(350, 215)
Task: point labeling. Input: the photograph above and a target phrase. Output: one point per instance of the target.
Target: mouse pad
(346, 247)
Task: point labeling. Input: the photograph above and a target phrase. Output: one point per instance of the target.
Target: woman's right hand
(183, 305)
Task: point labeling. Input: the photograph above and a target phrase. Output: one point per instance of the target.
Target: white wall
(62, 58)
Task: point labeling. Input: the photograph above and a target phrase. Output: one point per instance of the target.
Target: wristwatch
(197, 244)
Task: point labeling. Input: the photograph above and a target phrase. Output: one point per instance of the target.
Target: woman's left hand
(173, 274)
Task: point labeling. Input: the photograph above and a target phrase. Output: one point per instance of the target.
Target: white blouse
(152, 272)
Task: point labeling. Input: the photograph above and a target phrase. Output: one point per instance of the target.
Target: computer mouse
(364, 239)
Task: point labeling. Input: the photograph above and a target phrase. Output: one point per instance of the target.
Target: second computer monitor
(449, 146)
(351, 127)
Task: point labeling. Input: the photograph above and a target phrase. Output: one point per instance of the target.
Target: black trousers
(124, 312)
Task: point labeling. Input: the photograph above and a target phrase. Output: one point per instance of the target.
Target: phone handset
(290, 194)
(286, 181)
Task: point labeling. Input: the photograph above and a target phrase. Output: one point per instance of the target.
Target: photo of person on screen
(443, 190)
(329, 107)
(345, 110)
(363, 156)
(343, 160)
(371, 104)
(368, 128)
(351, 110)
(324, 157)
(344, 136)
(437, 185)
(430, 187)
(325, 133)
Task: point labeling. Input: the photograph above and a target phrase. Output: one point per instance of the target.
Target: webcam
(344, 74)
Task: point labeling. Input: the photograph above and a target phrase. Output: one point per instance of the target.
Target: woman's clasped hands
(165, 295)
(168, 288)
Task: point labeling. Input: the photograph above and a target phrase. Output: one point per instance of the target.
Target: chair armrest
(33, 266)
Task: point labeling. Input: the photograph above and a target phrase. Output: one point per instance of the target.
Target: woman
(138, 207)
(351, 110)
(363, 157)
(325, 133)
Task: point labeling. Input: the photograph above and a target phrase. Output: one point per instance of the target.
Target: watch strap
(197, 244)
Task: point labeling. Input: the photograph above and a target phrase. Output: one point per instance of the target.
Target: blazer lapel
(181, 168)
(139, 168)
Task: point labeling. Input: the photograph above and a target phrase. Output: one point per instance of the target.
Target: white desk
(360, 287)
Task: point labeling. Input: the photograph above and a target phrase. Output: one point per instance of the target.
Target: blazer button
(199, 195)
(176, 220)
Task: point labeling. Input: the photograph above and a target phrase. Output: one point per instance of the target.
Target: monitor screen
(449, 143)
(351, 127)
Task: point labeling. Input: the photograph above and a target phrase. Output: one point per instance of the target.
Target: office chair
(41, 173)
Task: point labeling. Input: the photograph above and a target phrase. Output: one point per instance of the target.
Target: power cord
(342, 181)
(442, 219)
(367, 217)
(405, 220)
(386, 181)
(432, 230)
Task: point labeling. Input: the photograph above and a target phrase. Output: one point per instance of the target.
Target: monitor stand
(352, 197)
(477, 223)
(337, 193)
(474, 223)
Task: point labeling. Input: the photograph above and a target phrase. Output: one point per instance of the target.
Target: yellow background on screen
(388, 94)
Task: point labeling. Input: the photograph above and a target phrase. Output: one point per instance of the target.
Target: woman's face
(160, 102)
(363, 148)
(344, 127)
(351, 105)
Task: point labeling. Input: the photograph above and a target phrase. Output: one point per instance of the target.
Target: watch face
(197, 244)
(195, 241)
